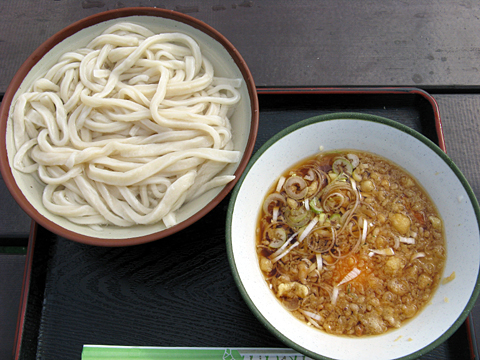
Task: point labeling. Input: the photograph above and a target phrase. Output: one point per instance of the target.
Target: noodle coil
(127, 129)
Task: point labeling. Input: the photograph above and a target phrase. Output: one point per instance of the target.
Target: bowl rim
(75, 27)
(332, 117)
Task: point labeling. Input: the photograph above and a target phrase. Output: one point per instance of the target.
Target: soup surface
(350, 243)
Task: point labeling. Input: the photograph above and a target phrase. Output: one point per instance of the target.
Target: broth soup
(350, 243)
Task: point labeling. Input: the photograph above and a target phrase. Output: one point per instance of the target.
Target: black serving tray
(179, 291)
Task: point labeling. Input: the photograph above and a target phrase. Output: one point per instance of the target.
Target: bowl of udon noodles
(127, 126)
(352, 236)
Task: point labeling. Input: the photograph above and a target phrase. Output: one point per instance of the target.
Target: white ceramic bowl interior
(224, 66)
(420, 157)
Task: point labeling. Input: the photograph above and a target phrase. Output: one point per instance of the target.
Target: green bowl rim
(347, 116)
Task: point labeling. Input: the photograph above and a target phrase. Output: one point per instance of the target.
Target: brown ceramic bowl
(226, 61)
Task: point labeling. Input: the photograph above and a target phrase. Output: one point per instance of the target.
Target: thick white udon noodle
(127, 129)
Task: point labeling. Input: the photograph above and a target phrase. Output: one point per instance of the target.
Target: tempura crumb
(449, 278)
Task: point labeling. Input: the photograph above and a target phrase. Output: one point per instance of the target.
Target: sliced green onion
(319, 261)
(275, 213)
(312, 315)
(364, 230)
(277, 242)
(406, 240)
(354, 159)
(386, 252)
(418, 255)
(280, 183)
(294, 245)
(276, 199)
(297, 217)
(356, 175)
(276, 234)
(350, 276)
(354, 184)
(321, 218)
(308, 229)
(334, 294)
(332, 175)
(306, 203)
(315, 206)
(335, 219)
(342, 165)
(296, 187)
(282, 248)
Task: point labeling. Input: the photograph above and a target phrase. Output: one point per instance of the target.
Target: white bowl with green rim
(419, 156)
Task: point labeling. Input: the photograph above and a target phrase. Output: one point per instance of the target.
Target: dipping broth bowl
(429, 165)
